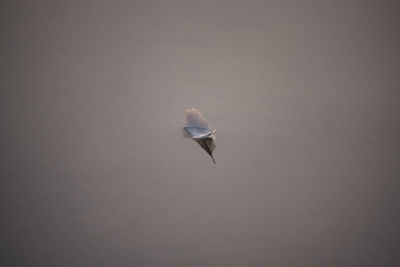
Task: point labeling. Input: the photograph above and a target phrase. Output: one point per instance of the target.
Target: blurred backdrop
(94, 167)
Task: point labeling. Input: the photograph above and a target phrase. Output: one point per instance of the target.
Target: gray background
(95, 170)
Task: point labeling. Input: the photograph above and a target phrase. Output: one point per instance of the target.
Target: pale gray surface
(94, 168)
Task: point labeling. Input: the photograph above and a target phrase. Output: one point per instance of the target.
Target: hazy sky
(305, 97)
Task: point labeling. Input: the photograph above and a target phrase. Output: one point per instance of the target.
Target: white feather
(196, 126)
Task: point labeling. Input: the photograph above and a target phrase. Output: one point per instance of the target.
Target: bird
(197, 127)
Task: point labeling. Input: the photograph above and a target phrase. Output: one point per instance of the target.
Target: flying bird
(196, 126)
